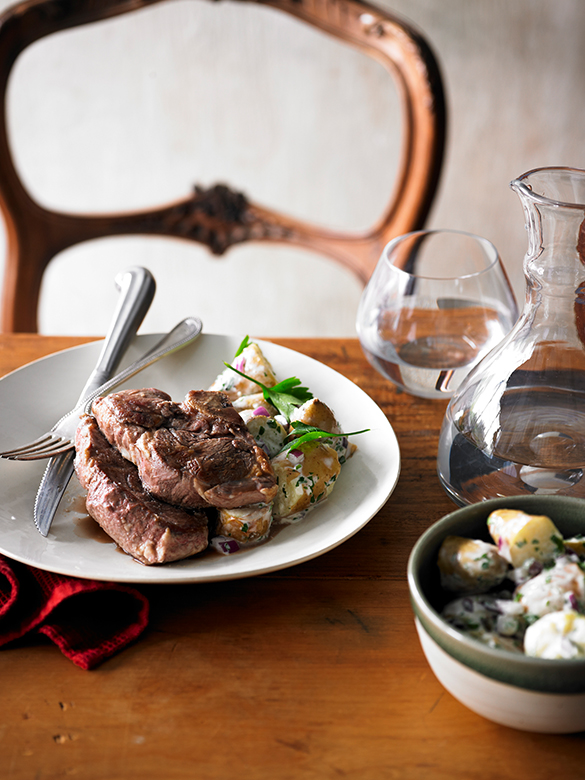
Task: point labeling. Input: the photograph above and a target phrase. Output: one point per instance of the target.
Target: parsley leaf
(558, 542)
(245, 343)
(310, 433)
(285, 395)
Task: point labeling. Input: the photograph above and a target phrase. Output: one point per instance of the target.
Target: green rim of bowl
(537, 674)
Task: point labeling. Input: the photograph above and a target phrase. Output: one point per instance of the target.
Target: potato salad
(524, 593)
(300, 434)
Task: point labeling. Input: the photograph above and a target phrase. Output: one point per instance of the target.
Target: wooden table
(314, 672)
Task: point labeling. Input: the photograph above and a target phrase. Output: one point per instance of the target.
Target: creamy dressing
(537, 608)
(304, 477)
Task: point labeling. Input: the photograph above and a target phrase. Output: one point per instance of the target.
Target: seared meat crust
(194, 454)
(151, 531)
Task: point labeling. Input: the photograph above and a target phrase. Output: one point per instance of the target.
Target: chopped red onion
(295, 456)
(261, 410)
(240, 364)
(224, 545)
(535, 568)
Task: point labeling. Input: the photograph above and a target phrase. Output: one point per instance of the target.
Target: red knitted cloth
(88, 620)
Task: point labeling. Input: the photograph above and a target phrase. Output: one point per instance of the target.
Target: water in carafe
(517, 423)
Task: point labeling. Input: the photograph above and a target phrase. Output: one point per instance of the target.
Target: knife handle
(137, 288)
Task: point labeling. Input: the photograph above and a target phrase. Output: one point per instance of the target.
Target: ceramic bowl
(514, 690)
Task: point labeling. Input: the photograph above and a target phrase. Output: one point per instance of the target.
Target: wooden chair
(220, 217)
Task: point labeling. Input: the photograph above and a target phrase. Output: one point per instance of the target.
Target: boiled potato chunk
(470, 565)
(252, 362)
(245, 524)
(576, 544)
(520, 536)
(249, 403)
(555, 588)
(315, 412)
(267, 431)
(556, 635)
(304, 478)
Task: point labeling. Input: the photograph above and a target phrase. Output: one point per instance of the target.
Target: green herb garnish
(286, 396)
(558, 542)
(245, 343)
(310, 433)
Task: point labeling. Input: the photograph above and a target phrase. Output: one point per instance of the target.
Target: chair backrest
(220, 217)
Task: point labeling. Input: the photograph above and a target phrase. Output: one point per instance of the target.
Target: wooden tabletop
(314, 672)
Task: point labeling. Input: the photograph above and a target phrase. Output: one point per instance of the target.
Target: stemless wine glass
(437, 302)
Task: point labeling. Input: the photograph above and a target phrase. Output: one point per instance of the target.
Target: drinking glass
(437, 302)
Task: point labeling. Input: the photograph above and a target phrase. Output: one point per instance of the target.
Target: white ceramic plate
(35, 396)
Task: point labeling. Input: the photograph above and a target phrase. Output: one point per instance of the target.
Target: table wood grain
(314, 672)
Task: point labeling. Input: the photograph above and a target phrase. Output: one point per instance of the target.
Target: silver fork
(61, 436)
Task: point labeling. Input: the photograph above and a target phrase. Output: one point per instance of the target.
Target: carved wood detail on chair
(219, 217)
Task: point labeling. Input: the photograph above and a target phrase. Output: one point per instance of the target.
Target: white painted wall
(132, 112)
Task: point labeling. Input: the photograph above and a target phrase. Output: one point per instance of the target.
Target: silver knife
(180, 336)
(137, 288)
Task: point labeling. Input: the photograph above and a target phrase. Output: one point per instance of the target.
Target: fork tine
(58, 449)
(44, 449)
(42, 440)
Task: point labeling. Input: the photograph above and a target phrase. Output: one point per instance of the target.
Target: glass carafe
(516, 425)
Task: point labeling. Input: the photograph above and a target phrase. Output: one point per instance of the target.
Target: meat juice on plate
(429, 350)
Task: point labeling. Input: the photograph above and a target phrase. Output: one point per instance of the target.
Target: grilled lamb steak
(196, 453)
(144, 527)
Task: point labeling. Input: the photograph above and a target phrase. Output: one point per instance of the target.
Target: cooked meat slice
(144, 527)
(123, 417)
(189, 454)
